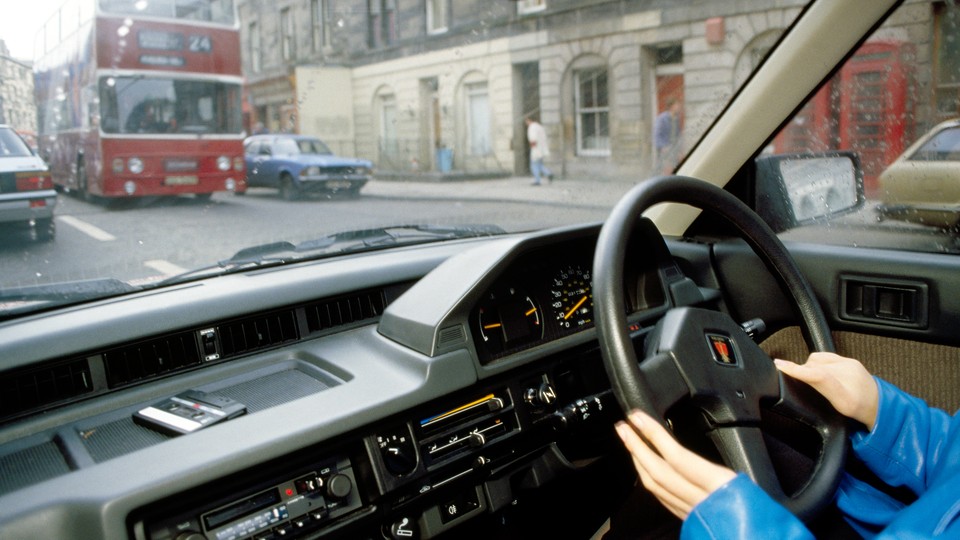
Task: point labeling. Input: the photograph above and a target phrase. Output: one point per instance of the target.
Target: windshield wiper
(29, 298)
(278, 253)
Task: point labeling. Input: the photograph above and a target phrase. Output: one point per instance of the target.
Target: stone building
(17, 106)
(436, 79)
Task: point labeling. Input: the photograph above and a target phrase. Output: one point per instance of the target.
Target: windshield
(943, 146)
(142, 105)
(483, 115)
(300, 146)
(217, 11)
(11, 145)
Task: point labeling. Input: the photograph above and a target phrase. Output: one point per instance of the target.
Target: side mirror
(800, 189)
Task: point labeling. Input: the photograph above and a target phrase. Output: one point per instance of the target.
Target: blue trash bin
(444, 159)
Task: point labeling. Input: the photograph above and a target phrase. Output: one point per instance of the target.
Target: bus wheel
(288, 188)
(44, 230)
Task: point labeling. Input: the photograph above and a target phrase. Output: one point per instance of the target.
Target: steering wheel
(703, 357)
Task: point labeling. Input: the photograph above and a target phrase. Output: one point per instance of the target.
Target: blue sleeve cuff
(740, 509)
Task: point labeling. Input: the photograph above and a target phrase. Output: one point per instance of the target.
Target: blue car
(299, 164)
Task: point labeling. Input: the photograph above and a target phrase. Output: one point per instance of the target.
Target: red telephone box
(876, 106)
(867, 108)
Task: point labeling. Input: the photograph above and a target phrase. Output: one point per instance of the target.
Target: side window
(893, 109)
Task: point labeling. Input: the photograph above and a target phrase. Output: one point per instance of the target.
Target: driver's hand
(679, 478)
(845, 383)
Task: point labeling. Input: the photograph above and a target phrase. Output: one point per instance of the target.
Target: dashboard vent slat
(25, 390)
(256, 333)
(345, 310)
(151, 358)
(450, 336)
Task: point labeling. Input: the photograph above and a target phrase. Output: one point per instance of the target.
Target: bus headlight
(135, 165)
(230, 184)
(129, 187)
(223, 163)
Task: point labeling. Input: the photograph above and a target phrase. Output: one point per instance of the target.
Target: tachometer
(509, 317)
(571, 297)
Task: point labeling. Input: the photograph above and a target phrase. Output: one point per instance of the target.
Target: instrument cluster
(547, 294)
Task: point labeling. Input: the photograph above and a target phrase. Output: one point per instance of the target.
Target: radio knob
(191, 535)
(339, 486)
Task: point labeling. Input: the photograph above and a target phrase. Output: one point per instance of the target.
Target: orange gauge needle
(574, 308)
(491, 326)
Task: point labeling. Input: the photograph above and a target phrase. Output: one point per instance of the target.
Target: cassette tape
(188, 412)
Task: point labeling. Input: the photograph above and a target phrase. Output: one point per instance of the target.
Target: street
(144, 240)
(148, 239)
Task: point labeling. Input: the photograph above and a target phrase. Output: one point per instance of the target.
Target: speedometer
(571, 297)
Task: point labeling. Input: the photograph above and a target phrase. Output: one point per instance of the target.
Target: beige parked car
(923, 184)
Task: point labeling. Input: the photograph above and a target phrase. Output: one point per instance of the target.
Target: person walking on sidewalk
(539, 149)
(666, 137)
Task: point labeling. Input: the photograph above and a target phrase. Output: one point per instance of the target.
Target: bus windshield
(215, 11)
(159, 105)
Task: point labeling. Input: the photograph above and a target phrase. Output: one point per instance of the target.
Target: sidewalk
(568, 192)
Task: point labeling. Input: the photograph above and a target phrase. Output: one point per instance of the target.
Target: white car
(27, 196)
(923, 184)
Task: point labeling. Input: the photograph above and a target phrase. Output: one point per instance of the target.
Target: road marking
(166, 268)
(90, 230)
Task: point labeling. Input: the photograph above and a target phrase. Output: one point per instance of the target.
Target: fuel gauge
(509, 317)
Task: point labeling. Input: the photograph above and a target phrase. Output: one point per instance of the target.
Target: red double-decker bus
(141, 98)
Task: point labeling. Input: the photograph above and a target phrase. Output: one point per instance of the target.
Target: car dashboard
(390, 394)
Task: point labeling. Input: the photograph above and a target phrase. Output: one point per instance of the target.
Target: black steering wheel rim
(632, 390)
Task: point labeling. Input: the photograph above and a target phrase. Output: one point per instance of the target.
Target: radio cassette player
(287, 509)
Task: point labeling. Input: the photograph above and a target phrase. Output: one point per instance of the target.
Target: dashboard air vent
(345, 310)
(249, 335)
(151, 358)
(25, 390)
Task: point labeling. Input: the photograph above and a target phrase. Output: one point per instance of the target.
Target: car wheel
(289, 191)
(44, 230)
(695, 352)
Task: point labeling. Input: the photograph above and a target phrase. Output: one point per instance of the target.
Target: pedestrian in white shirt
(539, 149)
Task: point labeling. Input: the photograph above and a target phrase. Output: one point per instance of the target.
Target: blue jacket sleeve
(908, 440)
(740, 509)
(906, 448)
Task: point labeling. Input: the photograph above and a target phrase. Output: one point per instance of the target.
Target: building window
(320, 21)
(389, 144)
(254, 41)
(592, 112)
(287, 36)
(382, 22)
(436, 16)
(531, 6)
(478, 119)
